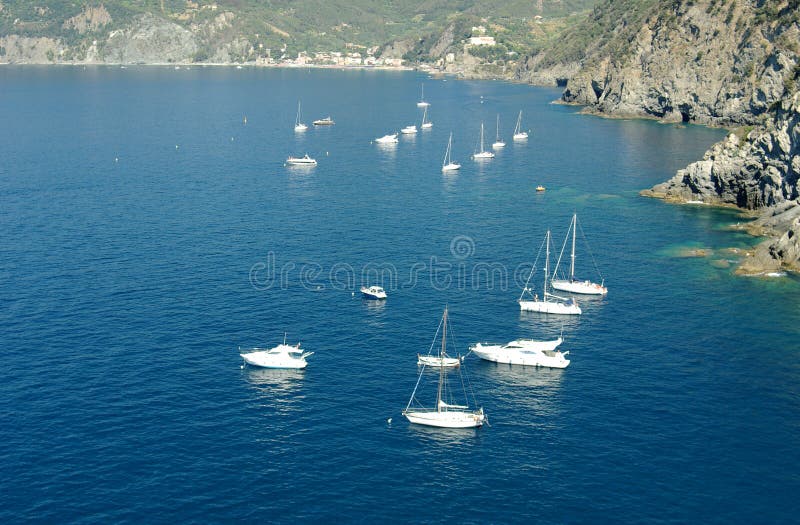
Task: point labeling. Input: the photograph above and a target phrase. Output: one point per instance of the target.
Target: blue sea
(149, 228)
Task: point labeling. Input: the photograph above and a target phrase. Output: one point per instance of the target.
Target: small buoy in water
(326, 153)
(245, 119)
(116, 159)
(176, 146)
(352, 294)
(389, 421)
(241, 367)
(231, 139)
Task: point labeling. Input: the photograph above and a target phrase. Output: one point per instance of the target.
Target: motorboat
(523, 352)
(409, 130)
(301, 161)
(387, 139)
(373, 292)
(540, 188)
(327, 121)
(281, 356)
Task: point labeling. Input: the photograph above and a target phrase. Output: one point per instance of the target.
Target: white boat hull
(483, 155)
(582, 287)
(520, 136)
(260, 360)
(300, 127)
(550, 307)
(451, 167)
(547, 357)
(498, 145)
(446, 419)
(438, 362)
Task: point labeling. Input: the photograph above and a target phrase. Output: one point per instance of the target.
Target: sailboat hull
(582, 287)
(550, 307)
(446, 419)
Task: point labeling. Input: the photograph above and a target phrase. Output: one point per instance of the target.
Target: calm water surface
(147, 232)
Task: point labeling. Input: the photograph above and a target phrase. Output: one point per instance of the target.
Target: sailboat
(483, 154)
(447, 163)
(298, 125)
(518, 133)
(446, 413)
(422, 103)
(497, 142)
(549, 303)
(572, 284)
(426, 124)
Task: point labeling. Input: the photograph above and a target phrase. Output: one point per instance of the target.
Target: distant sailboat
(548, 303)
(571, 284)
(518, 133)
(298, 125)
(426, 124)
(498, 144)
(482, 153)
(447, 163)
(422, 103)
(447, 413)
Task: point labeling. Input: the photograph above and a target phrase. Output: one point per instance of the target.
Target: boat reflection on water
(539, 326)
(443, 438)
(534, 390)
(277, 388)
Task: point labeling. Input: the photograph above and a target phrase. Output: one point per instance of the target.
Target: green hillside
(307, 25)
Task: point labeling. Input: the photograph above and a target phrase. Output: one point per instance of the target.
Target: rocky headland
(734, 64)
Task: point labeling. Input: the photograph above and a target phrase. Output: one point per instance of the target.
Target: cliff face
(731, 63)
(720, 63)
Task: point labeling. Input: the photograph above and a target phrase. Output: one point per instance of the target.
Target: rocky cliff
(731, 63)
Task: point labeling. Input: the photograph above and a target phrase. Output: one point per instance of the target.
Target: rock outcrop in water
(730, 63)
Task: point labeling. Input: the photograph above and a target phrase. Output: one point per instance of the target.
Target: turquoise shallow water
(147, 232)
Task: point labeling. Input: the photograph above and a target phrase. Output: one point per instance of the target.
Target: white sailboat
(518, 133)
(482, 153)
(426, 124)
(447, 163)
(298, 124)
(549, 303)
(498, 144)
(422, 103)
(571, 284)
(447, 413)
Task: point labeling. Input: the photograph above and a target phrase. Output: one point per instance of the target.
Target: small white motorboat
(282, 356)
(301, 161)
(327, 121)
(524, 352)
(387, 139)
(373, 292)
(409, 130)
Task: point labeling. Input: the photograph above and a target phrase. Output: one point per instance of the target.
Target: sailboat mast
(546, 265)
(481, 136)
(572, 258)
(441, 368)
